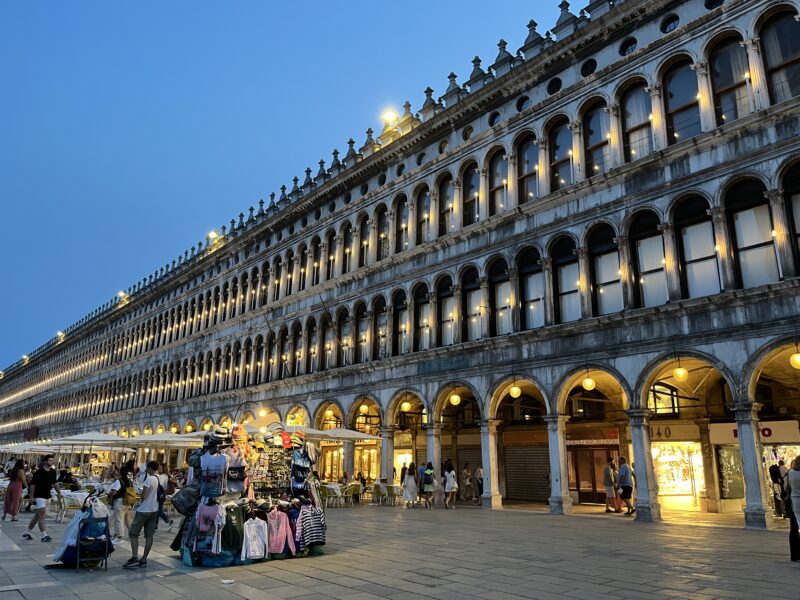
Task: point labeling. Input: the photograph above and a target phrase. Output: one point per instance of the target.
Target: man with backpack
(427, 485)
(146, 517)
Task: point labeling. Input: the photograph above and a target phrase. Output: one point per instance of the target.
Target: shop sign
(686, 432)
(770, 432)
(608, 442)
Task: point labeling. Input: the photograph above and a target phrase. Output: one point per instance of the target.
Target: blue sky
(129, 130)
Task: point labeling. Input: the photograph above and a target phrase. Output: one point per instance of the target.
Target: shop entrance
(585, 465)
(679, 472)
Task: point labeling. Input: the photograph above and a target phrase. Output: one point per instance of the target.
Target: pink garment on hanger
(280, 533)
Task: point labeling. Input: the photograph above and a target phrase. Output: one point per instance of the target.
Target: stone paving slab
(389, 552)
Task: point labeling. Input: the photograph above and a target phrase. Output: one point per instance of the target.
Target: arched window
(791, 187)
(223, 310)
(423, 216)
(330, 259)
(380, 329)
(301, 279)
(249, 362)
(271, 358)
(347, 254)
(647, 260)
(312, 357)
(566, 273)
(363, 236)
(232, 307)
(401, 225)
(445, 190)
(527, 169)
(382, 219)
(264, 291)
(258, 375)
(400, 343)
(446, 306)
(471, 305)
(254, 282)
(750, 220)
(681, 103)
(697, 247)
(237, 361)
(498, 179)
(283, 354)
(595, 139)
(780, 44)
(316, 258)
(559, 142)
(343, 328)
(470, 188)
(729, 72)
(422, 318)
(606, 282)
(531, 292)
(637, 131)
(362, 332)
(499, 299)
(328, 343)
(226, 374)
(243, 297)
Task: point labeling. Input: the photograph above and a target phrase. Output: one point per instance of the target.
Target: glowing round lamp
(515, 391)
(680, 374)
(588, 383)
(455, 399)
(262, 412)
(363, 409)
(189, 429)
(329, 414)
(405, 406)
(794, 360)
(207, 426)
(173, 429)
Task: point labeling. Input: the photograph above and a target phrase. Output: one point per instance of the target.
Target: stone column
(387, 453)
(578, 161)
(709, 467)
(355, 251)
(708, 120)
(782, 235)
(757, 82)
(372, 249)
(491, 489)
(623, 439)
(671, 261)
(433, 431)
(349, 457)
(339, 256)
(724, 248)
(392, 232)
(309, 267)
(658, 122)
(486, 312)
(511, 193)
(616, 154)
(457, 316)
(623, 247)
(755, 493)
(549, 291)
(647, 506)
(323, 261)
(411, 225)
(513, 279)
(585, 283)
(560, 500)
(456, 213)
(433, 216)
(482, 201)
(543, 172)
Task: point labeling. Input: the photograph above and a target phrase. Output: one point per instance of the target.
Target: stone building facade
(589, 249)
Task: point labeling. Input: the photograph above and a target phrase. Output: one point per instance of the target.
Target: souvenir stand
(250, 498)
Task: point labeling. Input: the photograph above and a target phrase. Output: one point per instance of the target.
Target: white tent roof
(90, 438)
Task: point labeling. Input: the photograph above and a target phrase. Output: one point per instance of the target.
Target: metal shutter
(468, 455)
(526, 473)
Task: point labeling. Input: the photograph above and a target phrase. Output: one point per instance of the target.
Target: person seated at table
(68, 479)
(344, 479)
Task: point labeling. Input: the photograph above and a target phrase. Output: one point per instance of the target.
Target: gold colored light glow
(515, 391)
(363, 409)
(588, 383)
(405, 406)
(455, 399)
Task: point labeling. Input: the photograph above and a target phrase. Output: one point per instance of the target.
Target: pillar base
(648, 513)
(494, 501)
(755, 517)
(560, 506)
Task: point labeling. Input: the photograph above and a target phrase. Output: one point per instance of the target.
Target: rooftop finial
(251, 216)
(261, 206)
(308, 181)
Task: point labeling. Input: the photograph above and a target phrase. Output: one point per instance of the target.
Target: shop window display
(731, 478)
(679, 472)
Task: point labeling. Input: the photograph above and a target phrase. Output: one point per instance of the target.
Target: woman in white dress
(410, 490)
(450, 486)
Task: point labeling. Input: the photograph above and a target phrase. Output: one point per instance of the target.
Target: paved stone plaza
(380, 552)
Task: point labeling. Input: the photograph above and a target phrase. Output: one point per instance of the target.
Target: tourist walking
(410, 489)
(146, 518)
(163, 481)
(466, 476)
(127, 477)
(420, 477)
(118, 509)
(428, 485)
(625, 482)
(403, 472)
(16, 478)
(40, 489)
(610, 483)
(793, 509)
(479, 481)
(450, 485)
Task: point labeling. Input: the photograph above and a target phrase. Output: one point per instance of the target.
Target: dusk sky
(129, 130)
